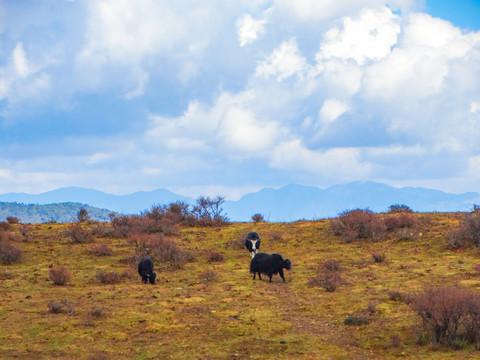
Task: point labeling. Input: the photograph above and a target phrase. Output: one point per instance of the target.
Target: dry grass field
(214, 310)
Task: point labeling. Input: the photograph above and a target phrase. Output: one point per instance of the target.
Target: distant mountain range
(289, 203)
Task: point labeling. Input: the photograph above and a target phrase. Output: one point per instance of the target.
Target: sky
(227, 97)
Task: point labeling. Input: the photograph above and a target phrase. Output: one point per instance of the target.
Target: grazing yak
(269, 264)
(252, 243)
(145, 269)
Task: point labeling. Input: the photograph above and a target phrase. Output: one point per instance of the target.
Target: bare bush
(25, 229)
(449, 314)
(101, 250)
(56, 307)
(108, 277)
(164, 252)
(78, 234)
(256, 218)
(358, 224)
(9, 254)
(59, 276)
(467, 233)
(329, 277)
(237, 243)
(208, 276)
(378, 257)
(215, 256)
(208, 211)
(12, 220)
(399, 221)
(103, 231)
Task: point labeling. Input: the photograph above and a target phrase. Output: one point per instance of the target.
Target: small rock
(283, 342)
(28, 297)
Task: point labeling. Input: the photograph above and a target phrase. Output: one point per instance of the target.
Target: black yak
(252, 243)
(145, 269)
(269, 264)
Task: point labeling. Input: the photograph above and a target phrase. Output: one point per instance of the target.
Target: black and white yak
(269, 264)
(252, 243)
(145, 269)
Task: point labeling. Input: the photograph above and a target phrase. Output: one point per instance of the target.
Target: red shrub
(12, 220)
(101, 250)
(449, 313)
(79, 235)
(399, 221)
(467, 233)
(215, 256)
(9, 254)
(108, 277)
(59, 276)
(358, 225)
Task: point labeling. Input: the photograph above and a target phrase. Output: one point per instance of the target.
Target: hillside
(210, 308)
(60, 212)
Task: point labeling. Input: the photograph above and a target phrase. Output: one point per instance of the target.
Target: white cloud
(474, 106)
(369, 36)
(239, 130)
(331, 110)
(338, 163)
(283, 62)
(248, 29)
(20, 61)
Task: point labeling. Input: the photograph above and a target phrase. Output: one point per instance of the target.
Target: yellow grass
(233, 317)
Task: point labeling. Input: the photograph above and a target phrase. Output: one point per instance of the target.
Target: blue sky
(228, 97)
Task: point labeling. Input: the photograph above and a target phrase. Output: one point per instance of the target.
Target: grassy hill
(212, 309)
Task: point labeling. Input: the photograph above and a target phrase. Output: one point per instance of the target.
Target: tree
(82, 215)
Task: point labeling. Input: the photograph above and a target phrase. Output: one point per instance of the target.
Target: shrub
(449, 314)
(82, 215)
(101, 250)
(25, 229)
(276, 236)
(378, 257)
(164, 252)
(208, 276)
(396, 208)
(358, 225)
(12, 220)
(329, 277)
(332, 265)
(103, 231)
(257, 218)
(108, 277)
(238, 243)
(9, 254)
(399, 221)
(4, 225)
(208, 211)
(59, 276)
(56, 307)
(467, 233)
(215, 256)
(78, 234)
(353, 320)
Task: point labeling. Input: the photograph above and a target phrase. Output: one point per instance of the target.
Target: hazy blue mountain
(125, 204)
(294, 202)
(289, 203)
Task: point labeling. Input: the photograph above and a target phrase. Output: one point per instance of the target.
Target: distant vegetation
(62, 212)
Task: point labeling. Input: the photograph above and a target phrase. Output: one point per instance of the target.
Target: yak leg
(281, 274)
